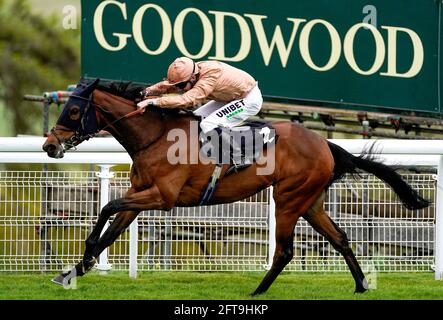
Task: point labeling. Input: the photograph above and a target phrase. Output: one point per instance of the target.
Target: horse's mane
(130, 91)
(124, 89)
(127, 90)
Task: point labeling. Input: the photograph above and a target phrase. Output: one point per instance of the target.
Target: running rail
(109, 151)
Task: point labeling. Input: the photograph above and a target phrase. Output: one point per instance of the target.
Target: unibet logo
(270, 42)
(231, 110)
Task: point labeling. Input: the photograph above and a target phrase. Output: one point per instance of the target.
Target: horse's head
(76, 123)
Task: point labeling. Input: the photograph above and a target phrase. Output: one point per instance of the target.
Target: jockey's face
(191, 83)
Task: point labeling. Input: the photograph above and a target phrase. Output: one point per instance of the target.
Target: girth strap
(212, 185)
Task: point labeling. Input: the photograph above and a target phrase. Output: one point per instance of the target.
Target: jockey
(234, 95)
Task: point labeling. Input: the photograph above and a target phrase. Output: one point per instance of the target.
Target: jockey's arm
(159, 89)
(198, 94)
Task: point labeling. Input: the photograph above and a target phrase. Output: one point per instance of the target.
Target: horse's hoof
(362, 287)
(360, 290)
(62, 280)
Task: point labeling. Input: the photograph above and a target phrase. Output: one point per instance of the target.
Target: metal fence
(46, 216)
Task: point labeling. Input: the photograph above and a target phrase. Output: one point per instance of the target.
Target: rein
(78, 138)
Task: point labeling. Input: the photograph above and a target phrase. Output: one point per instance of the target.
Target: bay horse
(306, 164)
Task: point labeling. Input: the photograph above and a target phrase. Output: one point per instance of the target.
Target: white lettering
(269, 40)
(166, 27)
(245, 42)
(98, 26)
(417, 63)
(335, 45)
(277, 39)
(380, 50)
(207, 32)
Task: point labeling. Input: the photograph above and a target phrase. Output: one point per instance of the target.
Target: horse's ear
(91, 87)
(94, 84)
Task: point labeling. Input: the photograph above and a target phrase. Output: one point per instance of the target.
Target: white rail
(107, 151)
(29, 150)
(99, 145)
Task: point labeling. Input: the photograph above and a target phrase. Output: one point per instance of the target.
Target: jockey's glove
(144, 94)
(146, 103)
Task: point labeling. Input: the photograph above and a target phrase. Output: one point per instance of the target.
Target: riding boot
(217, 145)
(237, 163)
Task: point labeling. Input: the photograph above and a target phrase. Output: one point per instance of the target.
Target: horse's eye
(74, 113)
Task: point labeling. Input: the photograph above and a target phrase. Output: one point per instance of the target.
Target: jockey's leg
(233, 113)
(229, 116)
(208, 108)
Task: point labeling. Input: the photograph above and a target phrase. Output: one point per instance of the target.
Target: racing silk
(217, 81)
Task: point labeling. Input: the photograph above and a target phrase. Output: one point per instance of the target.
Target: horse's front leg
(148, 198)
(129, 207)
(103, 217)
(117, 227)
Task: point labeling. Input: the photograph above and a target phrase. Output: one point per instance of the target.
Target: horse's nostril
(49, 148)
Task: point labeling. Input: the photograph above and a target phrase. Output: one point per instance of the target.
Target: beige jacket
(217, 81)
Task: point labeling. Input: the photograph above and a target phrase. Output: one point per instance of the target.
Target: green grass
(219, 286)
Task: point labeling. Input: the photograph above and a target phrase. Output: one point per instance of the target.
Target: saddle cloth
(243, 144)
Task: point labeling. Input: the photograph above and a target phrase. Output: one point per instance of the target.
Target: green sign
(384, 55)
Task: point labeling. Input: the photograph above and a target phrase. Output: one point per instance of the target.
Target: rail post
(271, 230)
(104, 175)
(439, 223)
(46, 246)
(133, 248)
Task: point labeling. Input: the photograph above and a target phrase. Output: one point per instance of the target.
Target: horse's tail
(348, 163)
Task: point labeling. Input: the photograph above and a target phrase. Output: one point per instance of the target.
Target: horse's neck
(133, 132)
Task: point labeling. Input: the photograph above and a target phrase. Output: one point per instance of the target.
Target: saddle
(239, 145)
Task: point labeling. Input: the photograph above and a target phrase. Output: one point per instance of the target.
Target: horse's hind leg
(289, 207)
(284, 250)
(320, 221)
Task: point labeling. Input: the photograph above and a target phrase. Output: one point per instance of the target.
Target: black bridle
(79, 135)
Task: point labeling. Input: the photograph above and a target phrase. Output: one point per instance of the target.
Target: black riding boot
(221, 142)
(237, 158)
